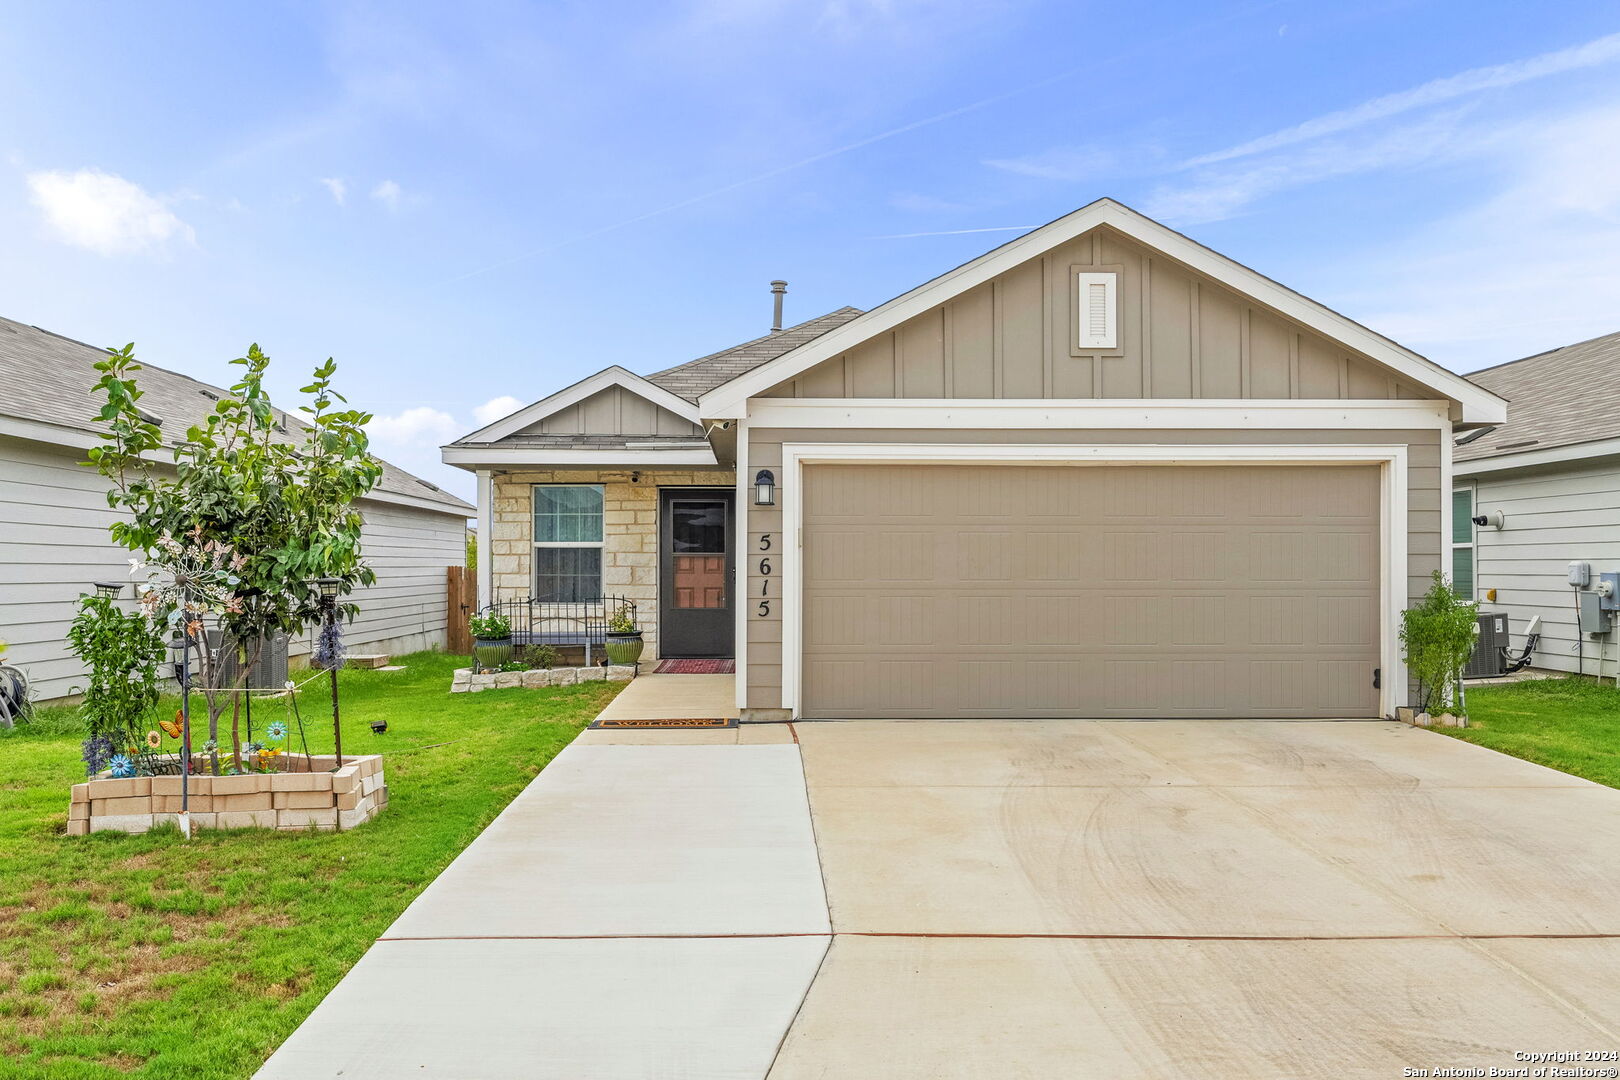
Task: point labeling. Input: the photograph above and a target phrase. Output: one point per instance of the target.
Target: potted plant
(623, 642)
(492, 639)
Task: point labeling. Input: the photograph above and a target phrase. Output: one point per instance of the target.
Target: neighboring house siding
(404, 611)
(764, 647)
(1554, 517)
(54, 543)
(1180, 335)
(615, 411)
(629, 532)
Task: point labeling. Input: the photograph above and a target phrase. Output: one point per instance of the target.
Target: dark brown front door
(696, 567)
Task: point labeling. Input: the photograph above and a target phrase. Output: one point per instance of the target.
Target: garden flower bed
(466, 681)
(309, 793)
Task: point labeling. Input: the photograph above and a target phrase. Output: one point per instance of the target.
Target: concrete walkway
(1007, 899)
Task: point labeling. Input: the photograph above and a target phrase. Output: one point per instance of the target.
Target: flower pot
(491, 652)
(624, 648)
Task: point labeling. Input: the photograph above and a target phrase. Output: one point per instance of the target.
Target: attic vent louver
(1096, 307)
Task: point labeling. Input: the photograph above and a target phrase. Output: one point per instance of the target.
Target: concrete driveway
(1004, 899)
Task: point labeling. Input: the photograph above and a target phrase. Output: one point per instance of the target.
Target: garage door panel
(1105, 591)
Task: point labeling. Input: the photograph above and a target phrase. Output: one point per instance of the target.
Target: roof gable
(1475, 404)
(581, 392)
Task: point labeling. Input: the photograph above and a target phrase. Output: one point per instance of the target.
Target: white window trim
(1472, 543)
(534, 568)
(1391, 459)
(1088, 338)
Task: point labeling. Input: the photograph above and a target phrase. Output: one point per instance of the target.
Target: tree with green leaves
(254, 506)
(1438, 635)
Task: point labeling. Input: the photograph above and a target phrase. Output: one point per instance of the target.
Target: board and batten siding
(1553, 517)
(1180, 335)
(615, 411)
(764, 649)
(54, 543)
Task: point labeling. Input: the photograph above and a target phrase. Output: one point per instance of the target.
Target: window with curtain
(1462, 542)
(567, 542)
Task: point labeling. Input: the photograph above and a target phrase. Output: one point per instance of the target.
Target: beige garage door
(1127, 591)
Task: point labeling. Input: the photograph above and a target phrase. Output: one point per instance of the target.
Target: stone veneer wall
(629, 532)
(313, 794)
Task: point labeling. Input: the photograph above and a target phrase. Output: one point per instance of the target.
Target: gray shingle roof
(695, 378)
(1556, 398)
(49, 378)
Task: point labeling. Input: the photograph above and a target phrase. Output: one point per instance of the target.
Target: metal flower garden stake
(329, 652)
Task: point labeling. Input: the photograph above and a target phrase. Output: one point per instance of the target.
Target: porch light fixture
(109, 589)
(765, 488)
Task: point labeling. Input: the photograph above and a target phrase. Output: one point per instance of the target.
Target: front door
(695, 570)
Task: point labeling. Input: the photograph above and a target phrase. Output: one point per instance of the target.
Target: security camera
(1478, 519)
(1494, 519)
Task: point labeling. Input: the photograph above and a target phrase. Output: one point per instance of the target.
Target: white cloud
(496, 408)
(1601, 50)
(339, 189)
(103, 212)
(1069, 163)
(413, 429)
(1533, 265)
(388, 193)
(1215, 194)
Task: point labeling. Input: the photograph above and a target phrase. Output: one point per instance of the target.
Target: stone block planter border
(310, 794)
(465, 682)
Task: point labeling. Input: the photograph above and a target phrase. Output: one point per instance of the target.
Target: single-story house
(1547, 481)
(54, 513)
(1099, 471)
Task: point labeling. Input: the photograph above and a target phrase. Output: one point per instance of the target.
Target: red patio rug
(695, 667)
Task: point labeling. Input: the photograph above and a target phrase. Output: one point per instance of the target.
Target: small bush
(542, 656)
(1438, 636)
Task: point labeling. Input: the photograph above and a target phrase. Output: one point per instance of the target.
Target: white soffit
(1479, 405)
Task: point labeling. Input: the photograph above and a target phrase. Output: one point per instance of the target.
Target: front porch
(680, 583)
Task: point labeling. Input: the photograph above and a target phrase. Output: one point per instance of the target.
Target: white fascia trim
(1552, 455)
(1479, 405)
(1392, 460)
(486, 538)
(739, 647)
(591, 384)
(886, 413)
(78, 439)
(474, 457)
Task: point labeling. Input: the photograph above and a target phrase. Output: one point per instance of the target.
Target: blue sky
(484, 201)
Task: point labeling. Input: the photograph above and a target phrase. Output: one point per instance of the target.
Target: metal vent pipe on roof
(778, 288)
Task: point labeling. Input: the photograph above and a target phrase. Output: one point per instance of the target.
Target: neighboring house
(54, 513)
(1553, 472)
(1098, 471)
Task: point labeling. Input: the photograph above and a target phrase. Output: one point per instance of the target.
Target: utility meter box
(1594, 617)
(1609, 598)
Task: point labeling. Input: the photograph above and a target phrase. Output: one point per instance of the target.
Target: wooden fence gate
(461, 596)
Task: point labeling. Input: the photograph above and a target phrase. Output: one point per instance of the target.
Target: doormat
(706, 722)
(696, 667)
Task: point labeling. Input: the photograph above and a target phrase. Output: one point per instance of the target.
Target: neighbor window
(567, 542)
(1462, 542)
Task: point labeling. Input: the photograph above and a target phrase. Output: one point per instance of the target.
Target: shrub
(542, 656)
(621, 621)
(1438, 636)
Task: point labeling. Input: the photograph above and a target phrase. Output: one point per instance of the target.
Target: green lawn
(1568, 724)
(149, 956)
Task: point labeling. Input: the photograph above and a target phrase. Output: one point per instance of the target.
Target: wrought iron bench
(567, 623)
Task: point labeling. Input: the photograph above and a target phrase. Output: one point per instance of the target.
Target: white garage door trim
(1392, 517)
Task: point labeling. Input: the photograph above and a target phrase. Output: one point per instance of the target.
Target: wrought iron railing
(566, 623)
